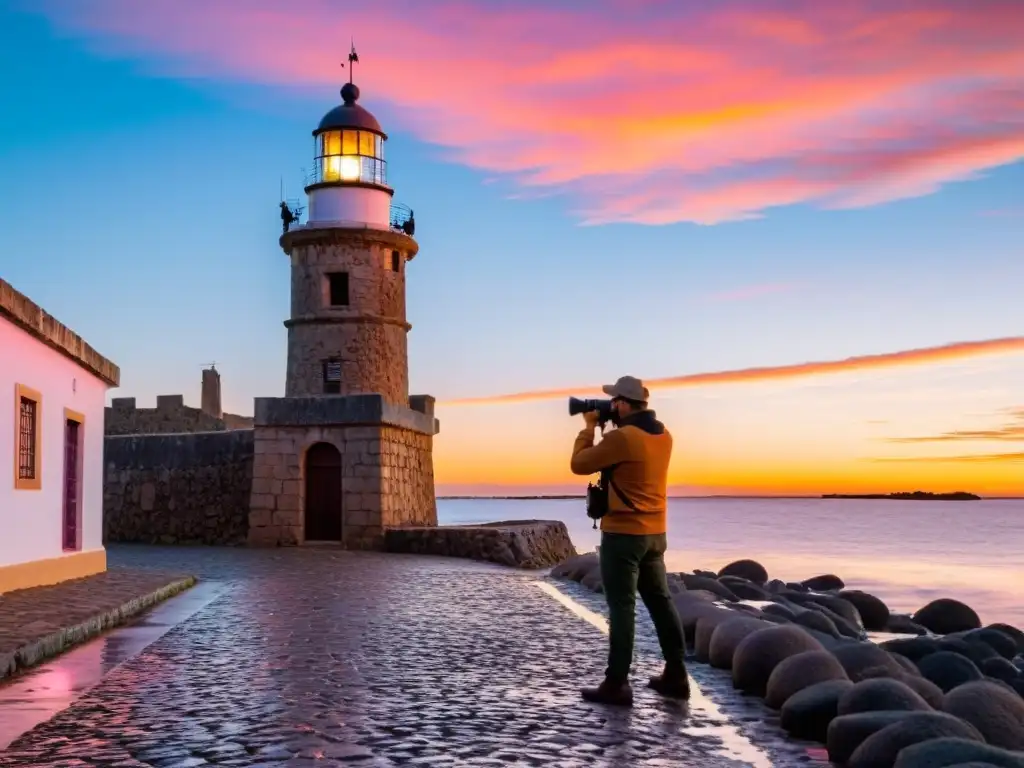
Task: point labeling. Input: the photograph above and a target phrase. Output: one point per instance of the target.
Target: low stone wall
(171, 416)
(178, 489)
(519, 543)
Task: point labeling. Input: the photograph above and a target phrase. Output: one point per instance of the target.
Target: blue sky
(141, 211)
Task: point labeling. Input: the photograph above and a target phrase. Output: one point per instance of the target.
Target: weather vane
(353, 57)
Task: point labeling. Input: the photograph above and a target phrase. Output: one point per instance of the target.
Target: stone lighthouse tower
(346, 453)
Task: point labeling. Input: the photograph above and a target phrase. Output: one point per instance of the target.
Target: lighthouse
(347, 452)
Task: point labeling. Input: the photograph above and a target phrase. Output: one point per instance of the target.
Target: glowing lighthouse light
(349, 183)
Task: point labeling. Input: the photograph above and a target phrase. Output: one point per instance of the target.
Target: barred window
(27, 427)
(332, 376)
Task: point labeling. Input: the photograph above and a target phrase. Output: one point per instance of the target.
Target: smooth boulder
(1001, 669)
(807, 713)
(926, 689)
(744, 589)
(818, 621)
(727, 637)
(577, 567)
(880, 749)
(592, 580)
(996, 712)
(751, 570)
(957, 753)
(873, 612)
(847, 732)
(882, 694)
(801, 671)
(713, 586)
(759, 653)
(705, 629)
(827, 582)
(1000, 642)
(946, 616)
(858, 658)
(1011, 632)
(904, 625)
(913, 648)
(948, 670)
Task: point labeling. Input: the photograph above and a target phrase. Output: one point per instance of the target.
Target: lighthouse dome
(349, 115)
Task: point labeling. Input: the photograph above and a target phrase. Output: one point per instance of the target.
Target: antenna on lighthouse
(353, 58)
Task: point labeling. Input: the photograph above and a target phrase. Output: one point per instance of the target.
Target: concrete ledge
(518, 543)
(40, 623)
(341, 410)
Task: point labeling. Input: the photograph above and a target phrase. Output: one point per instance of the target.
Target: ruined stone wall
(368, 335)
(178, 488)
(171, 415)
(407, 478)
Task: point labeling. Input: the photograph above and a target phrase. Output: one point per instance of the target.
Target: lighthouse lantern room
(349, 183)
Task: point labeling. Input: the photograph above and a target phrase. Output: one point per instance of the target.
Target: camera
(603, 408)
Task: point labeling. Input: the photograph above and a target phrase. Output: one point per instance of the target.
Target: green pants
(631, 564)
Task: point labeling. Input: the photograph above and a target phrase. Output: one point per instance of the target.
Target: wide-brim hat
(629, 388)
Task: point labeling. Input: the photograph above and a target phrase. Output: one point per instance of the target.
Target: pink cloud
(645, 112)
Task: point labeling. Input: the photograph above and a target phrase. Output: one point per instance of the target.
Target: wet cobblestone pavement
(322, 658)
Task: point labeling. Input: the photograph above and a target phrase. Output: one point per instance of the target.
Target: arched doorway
(323, 493)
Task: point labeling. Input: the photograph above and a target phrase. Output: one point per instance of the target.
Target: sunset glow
(799, 221)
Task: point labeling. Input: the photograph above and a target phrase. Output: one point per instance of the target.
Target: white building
(51, 439)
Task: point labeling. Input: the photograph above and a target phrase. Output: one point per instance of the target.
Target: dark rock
(759, 653)
(801, 671)
(690, 606)
(847, 732)
(909, 667)
(902, 624)
(957, 753)
(577, 567)
(711, 585)
(873, 612)
(818, 621)
(997, 713)
(845, 628)
(726, 639)
(948, 670)
(780, 609)
(825, 583)
(857, 658)
(881, 694)
(705, 630)
(707, 574)
(775, 586)
(978, 651)
(914, 648)
(1000, 669)
(836, 605)
(807, 714)
(796, 587)
(926, 689)
(883, 747)
(1012, 632)
(751, 570)
(1018, 686)
(774, 618)
(744, 589)
(999, 641)
(945, 616)
(592, 580)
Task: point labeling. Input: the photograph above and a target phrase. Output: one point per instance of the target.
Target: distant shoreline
(908, 496)
(936, 497)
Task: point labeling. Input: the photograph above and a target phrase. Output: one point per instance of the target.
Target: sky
(696, 194)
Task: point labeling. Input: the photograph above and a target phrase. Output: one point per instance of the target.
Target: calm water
(905, 552)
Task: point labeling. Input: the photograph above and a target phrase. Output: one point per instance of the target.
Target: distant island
(911, 496)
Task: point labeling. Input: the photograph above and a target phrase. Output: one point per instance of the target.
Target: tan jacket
(642, 449)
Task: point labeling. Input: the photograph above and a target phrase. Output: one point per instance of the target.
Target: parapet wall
(171, 416)
(178, 488)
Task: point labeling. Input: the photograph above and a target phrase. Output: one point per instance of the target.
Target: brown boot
(612, 692)
(673, 683)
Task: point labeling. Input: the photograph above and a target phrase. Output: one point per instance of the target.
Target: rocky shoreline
(932, 689)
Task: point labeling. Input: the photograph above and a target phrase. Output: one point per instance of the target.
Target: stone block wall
(170, 416)
(178, 488)
(386, 479)
(407, 478)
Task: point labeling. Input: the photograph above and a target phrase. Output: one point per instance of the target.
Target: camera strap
(626, 500)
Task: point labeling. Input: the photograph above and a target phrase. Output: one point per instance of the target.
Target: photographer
(633, 461)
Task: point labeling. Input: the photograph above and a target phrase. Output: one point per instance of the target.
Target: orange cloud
(640, 112)
(986, 458)
(928, 355)
(1011, 431)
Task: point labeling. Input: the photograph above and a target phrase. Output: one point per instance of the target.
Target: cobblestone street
(321, 657)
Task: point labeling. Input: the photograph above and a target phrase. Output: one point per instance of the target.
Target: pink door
(71, 482)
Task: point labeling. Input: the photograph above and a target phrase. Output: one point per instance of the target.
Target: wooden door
(71, 485)
(323, 493)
